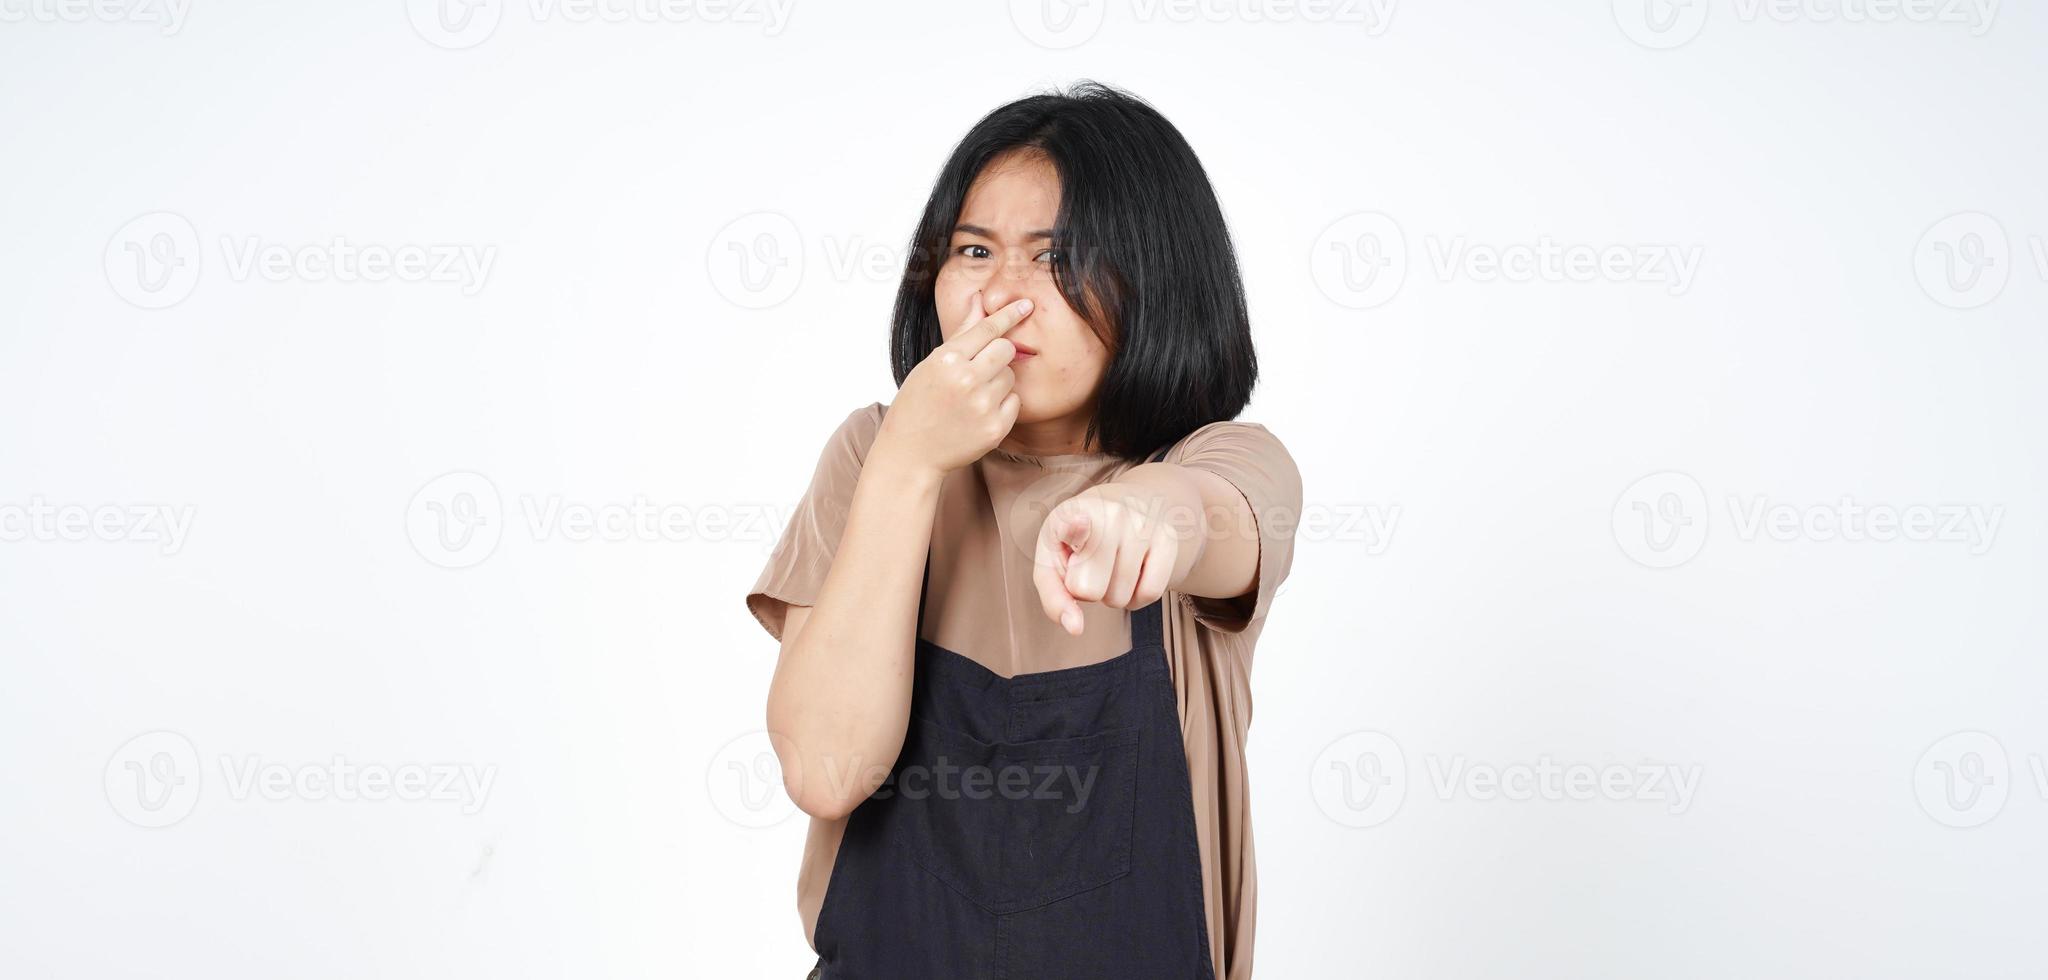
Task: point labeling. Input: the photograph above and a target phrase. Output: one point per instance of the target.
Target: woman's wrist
(897, 473)
(1164, 494)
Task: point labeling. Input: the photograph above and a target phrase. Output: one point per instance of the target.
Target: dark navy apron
(1034, 827)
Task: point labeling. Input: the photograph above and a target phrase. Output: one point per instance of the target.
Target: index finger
(970, 341)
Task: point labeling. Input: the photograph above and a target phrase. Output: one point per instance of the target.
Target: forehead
(1013, 193)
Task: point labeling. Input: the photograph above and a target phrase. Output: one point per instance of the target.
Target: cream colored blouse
(982, 605)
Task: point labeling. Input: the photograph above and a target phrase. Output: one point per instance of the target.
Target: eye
(1052, 255)
(968, 250)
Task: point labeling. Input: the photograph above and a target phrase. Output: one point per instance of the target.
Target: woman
(1017, 604)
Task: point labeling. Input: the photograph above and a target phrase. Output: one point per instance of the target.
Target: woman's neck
(1051, 437)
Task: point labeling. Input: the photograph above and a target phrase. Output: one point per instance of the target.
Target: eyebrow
(965, 228)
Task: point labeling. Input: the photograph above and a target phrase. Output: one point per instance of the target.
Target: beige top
(982, 605)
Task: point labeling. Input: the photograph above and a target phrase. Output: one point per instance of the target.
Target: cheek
(947, 296)
(1080, 362)
(1089, 358)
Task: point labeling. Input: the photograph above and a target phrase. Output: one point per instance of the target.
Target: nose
(1010, 281)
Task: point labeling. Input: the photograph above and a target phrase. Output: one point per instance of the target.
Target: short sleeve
(803, 554)
(1252, 460)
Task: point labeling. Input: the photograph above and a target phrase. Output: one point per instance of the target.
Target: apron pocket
(1017, 825)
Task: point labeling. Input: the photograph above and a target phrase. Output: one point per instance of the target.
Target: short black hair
(1141, 252)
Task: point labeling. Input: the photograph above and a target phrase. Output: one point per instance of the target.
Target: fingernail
(1071, 619)
(1023, 306)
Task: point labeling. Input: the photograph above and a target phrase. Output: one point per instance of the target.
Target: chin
(1037, 407)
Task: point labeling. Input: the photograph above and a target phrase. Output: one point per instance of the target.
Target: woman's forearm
(1219, 552)
(840, 698)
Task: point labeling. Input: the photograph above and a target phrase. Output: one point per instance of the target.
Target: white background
(1838, 340)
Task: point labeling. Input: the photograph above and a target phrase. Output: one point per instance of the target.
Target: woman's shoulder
(866, 418)
(856, 432)
(1231, 437)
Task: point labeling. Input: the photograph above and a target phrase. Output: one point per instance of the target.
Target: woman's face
(1001, 245)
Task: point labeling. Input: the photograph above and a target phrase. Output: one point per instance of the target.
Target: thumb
(1074, 528)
